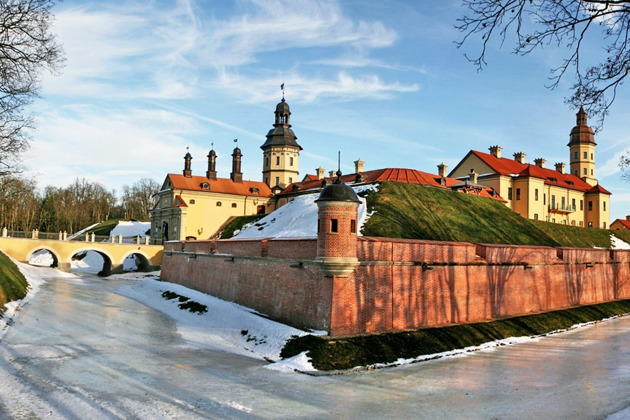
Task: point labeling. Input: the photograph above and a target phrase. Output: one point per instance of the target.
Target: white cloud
(108, 145)
(144, 50)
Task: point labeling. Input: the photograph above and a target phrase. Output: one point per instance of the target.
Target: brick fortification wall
(400, 284)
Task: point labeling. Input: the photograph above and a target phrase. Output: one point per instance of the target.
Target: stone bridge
(148, 257)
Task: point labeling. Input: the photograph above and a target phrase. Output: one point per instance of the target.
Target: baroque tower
(582, 149)
(281, 153)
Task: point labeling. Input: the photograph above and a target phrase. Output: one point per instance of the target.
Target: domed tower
(281, 153)
(582, 149)
(337, 229)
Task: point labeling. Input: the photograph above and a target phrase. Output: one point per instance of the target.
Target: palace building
(198, 206)
(540, 193)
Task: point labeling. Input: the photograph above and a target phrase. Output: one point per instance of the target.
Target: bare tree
(27, 47)
(570, 24)
(138, 199)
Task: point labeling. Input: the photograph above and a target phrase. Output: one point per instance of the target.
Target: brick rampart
(400, 284)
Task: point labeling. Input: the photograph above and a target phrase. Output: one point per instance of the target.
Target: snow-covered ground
(131, 228)
(618, 243)
(297, 218)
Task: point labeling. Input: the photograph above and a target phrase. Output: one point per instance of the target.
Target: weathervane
(282, 89)
(236, 141)
(338, 180)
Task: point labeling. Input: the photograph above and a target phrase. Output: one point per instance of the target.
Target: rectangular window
(353, 226)
(535, 216)
(553, 201)
(233, 205)
(581, 204)
(518, 193)
(573, 204)
(544, 199)
(604, 203)
(536, 194)
(277, 160)
(319, 224)
(290, 180)
(590, 224)
(585, 155)
(277, 180)
(564, 202)
(334, 225)
(290, 161)
(509, 193)
(575, 155)
(604, 225)
(590, 206)
(584, 171)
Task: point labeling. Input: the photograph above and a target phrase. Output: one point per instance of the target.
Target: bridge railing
(87, 237)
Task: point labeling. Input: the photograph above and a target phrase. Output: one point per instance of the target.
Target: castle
(349, 284)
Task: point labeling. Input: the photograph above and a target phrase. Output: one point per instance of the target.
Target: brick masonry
(400, 284)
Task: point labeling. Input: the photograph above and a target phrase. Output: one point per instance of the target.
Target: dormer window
(254, 190)
(205, 186)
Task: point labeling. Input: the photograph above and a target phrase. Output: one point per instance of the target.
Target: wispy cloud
(146, 51)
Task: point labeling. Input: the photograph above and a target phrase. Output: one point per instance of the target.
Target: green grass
(346, 353)
(237, 224)
(13, 285)
(411, 211)
(104, 228)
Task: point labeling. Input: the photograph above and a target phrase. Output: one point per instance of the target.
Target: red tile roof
(408, 176)
(624, 222)
(511, 167)
(219, 185)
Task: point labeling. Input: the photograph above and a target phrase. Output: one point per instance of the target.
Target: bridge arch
(143, 262)
(109, 263)
(55, 255)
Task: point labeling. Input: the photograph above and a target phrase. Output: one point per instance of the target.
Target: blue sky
(381, 81)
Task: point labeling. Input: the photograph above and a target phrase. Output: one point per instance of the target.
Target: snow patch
(298, 218)
(225, 326)
(618, 243)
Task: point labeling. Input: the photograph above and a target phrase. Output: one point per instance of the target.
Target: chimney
(560, 167)
(187, 170)
(495, 151)
(320, 173)
(331, 174)
(212, 163)
(628, 218)
(236, 175)
(473, 176)
(358, 166)
(519, 157)
(539, 162)
(442, 170)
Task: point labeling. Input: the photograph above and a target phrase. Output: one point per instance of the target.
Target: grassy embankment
(346, 353)
(13, 285)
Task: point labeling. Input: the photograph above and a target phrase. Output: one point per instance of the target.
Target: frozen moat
(78, 350)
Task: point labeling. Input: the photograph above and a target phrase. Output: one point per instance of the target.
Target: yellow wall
(281, 162)
(549, 206)
(202, 216)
